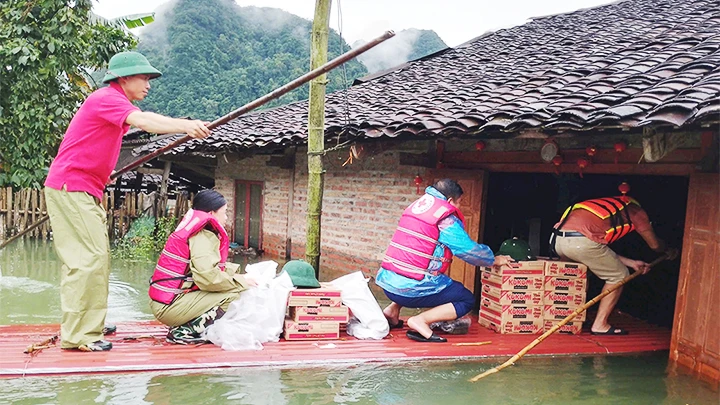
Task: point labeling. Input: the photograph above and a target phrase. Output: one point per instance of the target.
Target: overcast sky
(456, 21)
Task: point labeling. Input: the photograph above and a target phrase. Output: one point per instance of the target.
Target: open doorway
(527, 205)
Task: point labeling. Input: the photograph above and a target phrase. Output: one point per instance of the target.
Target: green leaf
(51, 47)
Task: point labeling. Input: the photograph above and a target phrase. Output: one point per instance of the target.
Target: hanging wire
(344, 71)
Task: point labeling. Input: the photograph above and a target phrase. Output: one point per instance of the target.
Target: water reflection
(29, 294)
(575, 380)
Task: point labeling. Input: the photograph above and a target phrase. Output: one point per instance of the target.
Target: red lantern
(591, 151)
(582, 163)
(619, 148)
(557, 161)
(479, 146)
(624, 188)
(418, 183)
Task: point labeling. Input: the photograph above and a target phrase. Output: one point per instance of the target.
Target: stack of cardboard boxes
(564, 291)
(315, 314)
(529, 296)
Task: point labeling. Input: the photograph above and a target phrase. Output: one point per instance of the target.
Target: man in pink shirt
(74, 188)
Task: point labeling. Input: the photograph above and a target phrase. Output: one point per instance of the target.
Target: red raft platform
(141, 347)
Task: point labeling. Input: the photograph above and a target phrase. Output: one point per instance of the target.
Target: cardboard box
(509, 326)
(558, 313)
(570, 328)
(513, 283)
(566, 284)
(507, 312)
(314, 297)
(319, 313)
(564, 299)
(518, 268)
(565, 269)
(509, 297)
(311, 330)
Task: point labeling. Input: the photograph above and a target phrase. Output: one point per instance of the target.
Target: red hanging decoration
(557, 161)
(418, 183)
(479, 146)
(440, 165)
(619, 148)
(591, 151)
(624, 188)
(582, 163)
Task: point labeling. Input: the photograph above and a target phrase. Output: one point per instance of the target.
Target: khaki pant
(599, 258)
(191, 305)
(79, 226)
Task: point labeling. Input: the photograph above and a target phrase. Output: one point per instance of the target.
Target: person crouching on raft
(431, 230)
(193, 284)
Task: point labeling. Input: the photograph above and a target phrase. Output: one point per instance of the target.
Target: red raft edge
(140, 347)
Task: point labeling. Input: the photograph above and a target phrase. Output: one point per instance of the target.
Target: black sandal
(612, 332)
(416, 336)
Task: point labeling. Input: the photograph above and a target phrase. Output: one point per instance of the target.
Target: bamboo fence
(19, 209)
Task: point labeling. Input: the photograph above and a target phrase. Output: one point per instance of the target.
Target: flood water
(29, 293)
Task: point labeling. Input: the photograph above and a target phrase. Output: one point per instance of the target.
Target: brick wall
(362, 203)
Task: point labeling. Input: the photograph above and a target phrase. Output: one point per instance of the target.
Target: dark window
(248, 213)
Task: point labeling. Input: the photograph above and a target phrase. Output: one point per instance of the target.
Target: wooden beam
(149, 170)
(668, 169)
(633, 156)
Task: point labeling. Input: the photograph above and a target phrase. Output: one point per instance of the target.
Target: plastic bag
(367, 321)
(257, 316)
(459, 326)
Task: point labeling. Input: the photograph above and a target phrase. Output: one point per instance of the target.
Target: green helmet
(516, 248)
(301, 273)
(128, 64)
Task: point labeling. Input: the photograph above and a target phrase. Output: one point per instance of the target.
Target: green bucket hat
(128, 64)
(516, 248)
(301, 273)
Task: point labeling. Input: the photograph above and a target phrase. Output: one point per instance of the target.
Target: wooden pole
(567, 319)
(316, 133)
(251, 106)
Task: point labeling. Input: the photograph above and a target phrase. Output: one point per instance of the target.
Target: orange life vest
(609, 207)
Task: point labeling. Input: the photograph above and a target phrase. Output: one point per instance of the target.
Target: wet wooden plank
(140, 346)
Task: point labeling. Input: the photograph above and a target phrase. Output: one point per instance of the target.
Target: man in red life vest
(583, 235)
(430, 232)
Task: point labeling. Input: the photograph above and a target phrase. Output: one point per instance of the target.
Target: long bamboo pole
(567, 319)
(316, 132)
(280, 91)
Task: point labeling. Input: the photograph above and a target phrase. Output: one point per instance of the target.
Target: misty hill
(407, 45)
(216, 56)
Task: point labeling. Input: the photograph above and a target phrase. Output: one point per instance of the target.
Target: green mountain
(216, 56)
(407, 45)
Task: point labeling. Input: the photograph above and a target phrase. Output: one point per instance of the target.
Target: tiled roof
(632, 63)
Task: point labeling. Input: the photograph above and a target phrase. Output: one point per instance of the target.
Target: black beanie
(208, 201)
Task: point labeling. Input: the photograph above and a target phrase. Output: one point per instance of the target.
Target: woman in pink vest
(430, 232)
(193, 284)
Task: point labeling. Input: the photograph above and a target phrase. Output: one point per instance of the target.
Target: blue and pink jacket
(429, 233)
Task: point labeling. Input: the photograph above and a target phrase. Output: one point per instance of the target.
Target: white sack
(368, 320)
(257, 316)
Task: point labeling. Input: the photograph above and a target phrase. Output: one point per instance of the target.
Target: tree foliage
(216, 56)
(45, 48)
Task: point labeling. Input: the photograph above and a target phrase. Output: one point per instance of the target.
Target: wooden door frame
(474, 174)
(247, 184)
(698, 284)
